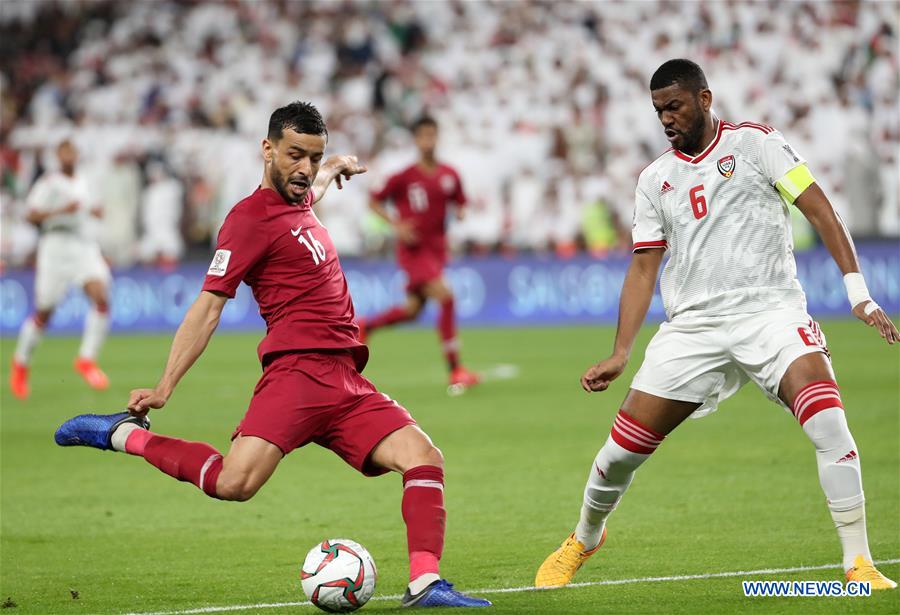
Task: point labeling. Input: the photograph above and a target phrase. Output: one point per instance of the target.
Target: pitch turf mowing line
(511, 590)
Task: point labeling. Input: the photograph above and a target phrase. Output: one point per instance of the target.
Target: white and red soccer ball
(338, 575)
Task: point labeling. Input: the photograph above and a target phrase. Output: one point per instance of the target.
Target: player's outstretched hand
(879, 320)
(598, 377)
(142, 400)
(345, 167)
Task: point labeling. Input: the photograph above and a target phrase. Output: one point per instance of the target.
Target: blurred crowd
(543, 107)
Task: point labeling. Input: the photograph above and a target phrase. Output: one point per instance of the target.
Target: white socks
(96, 326)
(120, 435)
(841, 479)
(29, 336)
(820, 412)
(851, 529)
(628, 446)
(422, 581)
(611, 473)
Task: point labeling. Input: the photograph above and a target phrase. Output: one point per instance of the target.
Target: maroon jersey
(287, 258)
(423, 197)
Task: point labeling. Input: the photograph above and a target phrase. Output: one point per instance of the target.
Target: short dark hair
(302, 117)
(685, 73)
(423, 120)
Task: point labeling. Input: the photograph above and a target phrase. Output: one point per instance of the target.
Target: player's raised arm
(190, 341)
(337, 169)
(637, 292)
(813, 203)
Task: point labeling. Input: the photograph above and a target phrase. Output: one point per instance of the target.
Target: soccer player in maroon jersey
(311, 389)
(421, 195)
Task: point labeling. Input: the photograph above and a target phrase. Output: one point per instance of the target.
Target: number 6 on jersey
(698, 202)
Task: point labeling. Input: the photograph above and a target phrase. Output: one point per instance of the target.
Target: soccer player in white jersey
(61, 204)
(718, 202)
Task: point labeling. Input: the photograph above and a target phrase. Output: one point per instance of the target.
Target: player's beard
(694, 134)
(283, 186)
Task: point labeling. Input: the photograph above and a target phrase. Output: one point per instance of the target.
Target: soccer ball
(338, 575)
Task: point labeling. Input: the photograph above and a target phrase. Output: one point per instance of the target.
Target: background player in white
(718, 201)
(60, 204)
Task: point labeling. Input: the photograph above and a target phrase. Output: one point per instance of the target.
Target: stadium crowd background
(543, 107)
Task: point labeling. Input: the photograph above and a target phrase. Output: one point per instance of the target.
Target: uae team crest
(726, 166)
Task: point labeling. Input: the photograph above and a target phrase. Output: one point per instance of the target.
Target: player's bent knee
(433, 457)
(236, 488)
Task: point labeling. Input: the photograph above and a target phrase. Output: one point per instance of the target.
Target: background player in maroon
(311, 389)
(421, 196)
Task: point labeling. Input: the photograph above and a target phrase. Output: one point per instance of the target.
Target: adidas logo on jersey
(848, 457)
(666, 187)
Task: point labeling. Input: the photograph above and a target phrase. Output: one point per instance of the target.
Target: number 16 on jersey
(314, 246)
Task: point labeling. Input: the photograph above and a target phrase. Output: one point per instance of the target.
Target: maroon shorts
(422, 263)
(306, 397)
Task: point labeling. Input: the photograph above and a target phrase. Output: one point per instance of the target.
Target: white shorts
(708, 361)
(65, 259)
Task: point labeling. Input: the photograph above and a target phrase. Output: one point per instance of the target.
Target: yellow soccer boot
(561, 565)
(865, 570)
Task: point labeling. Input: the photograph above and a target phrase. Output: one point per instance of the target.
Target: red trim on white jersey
(640, 245)
(761, 127)
(722, 127)
(719, 128)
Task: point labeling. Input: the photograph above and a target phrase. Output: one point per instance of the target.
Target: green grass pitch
(91, 532)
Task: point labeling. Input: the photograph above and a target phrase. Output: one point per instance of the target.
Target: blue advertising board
(490, 291)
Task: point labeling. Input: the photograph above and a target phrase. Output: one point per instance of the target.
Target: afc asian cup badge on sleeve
(726, 166)
(219, 264)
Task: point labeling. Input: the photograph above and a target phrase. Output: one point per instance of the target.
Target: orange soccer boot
(18, 380)
(462, 379)
(92, 373)
(561, 565)
(865, 570)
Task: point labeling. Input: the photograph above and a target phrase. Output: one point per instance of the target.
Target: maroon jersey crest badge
(726, 166)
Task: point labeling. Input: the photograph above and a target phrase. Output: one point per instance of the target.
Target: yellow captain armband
(795, 182)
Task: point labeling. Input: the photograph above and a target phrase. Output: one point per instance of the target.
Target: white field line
(510, 590)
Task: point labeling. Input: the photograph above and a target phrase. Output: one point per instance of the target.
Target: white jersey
(67, 254)
(725, 224)
(54, 192)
